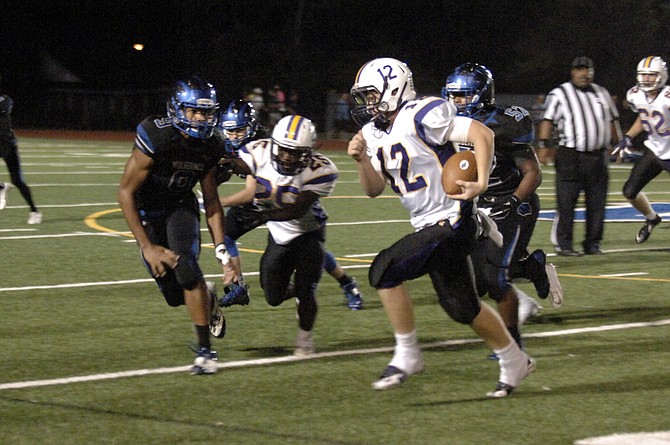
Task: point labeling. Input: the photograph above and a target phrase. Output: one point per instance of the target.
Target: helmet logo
(205, 102)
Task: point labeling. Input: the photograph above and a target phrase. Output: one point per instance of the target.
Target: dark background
(305, 46)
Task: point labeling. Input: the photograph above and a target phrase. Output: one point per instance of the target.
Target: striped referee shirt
(584, 116)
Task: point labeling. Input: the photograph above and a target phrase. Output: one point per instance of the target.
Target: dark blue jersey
(514, 132)
(179, 163)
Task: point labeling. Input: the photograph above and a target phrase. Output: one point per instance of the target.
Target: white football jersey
(276, 190)
(655, 117)
(410, 156)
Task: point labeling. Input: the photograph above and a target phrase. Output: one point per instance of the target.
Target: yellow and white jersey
(276, 190)
(410, 155)
(655, 117)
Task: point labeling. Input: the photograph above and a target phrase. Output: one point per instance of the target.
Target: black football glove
(250, 215)
(223, 172)
(504, 207)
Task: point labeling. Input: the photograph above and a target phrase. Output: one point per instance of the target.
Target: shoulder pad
(153, 132)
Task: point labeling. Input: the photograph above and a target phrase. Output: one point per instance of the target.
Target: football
(461, 165)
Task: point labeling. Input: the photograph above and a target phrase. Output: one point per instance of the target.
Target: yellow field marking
(609, 277)
(92, 222)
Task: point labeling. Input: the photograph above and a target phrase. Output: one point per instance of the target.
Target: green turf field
(91, 354)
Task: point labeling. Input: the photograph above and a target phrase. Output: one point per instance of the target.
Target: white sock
(510, 371)
(651, 215)
(406, 341)
(407, 354)
(509, 353)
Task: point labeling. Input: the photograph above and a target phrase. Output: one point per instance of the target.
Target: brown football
(461, 165)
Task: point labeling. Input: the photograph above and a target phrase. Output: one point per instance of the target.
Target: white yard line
(292, 358)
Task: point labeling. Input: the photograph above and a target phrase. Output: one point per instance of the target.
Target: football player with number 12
(403, 142)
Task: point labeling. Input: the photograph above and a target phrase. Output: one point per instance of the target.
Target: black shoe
(645, 231)
(593, 251)
(568, 252)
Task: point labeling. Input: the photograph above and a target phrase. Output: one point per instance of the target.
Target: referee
(588, 122)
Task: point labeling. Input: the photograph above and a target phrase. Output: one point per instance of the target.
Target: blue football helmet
(239, 115)
(474, 82)
(200, 95)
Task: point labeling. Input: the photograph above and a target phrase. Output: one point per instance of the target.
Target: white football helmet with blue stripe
(293, 139)
(382, 86)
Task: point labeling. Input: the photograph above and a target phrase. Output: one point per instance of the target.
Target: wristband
(542, 143)
(222, 254)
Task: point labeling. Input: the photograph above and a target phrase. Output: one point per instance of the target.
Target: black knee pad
(171, 290)
(188, 273)
(275, 299)
(629, 192)
(464, 314)
(376, 272)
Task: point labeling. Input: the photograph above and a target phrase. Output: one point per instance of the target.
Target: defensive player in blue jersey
(511, 198)
(171, 155)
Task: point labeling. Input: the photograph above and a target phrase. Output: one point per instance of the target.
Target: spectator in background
(588, 122)
(256, 98)
(278, 98)
(276, 105)
(343, 123)
(292, 102)
(9, 152)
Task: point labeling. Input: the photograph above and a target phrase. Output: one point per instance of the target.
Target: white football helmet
(293, 139)
(392, 82)
(652, 65)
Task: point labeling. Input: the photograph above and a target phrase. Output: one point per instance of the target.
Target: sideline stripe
(293, 358)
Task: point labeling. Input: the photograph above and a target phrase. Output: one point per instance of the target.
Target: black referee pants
(577, 172)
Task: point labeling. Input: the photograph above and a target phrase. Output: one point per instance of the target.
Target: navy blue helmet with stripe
(474, 82)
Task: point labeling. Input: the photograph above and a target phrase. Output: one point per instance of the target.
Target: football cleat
(394, 376)
(235, 294)
(304, 344)
(217, 321)
(205, 362)
(390, 378)
(35, 218)
(4, 191)
(555, 288)
(528, 308)
(502, 390)
(353, 295)
(523, 369)
(645, 231)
